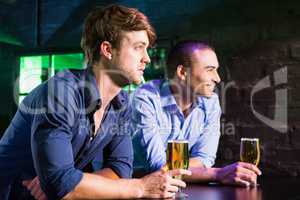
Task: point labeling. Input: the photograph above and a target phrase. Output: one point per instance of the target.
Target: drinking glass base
(181, 195)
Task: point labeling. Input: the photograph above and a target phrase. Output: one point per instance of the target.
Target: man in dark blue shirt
(79, 116)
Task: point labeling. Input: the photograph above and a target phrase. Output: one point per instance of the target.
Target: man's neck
(183, 97)
(108, 89)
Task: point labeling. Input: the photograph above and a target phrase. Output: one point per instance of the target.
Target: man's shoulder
(68, 81)
(151, 88)
(147, 94)
(68, 76)
(62, 83)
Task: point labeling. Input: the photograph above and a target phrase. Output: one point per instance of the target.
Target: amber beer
(177, 154)
(249, 150)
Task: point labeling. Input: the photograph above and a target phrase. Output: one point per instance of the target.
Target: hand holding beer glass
(178, 158)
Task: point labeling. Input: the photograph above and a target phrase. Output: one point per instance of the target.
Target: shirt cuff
(66, 184)
(121, 170)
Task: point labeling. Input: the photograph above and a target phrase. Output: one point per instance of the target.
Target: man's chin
(138, 80)
(130, 80)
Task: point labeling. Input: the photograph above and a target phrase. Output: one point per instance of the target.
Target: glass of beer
(249, 150)
(178, 158)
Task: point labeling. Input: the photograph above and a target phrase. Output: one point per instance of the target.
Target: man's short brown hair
(108, 24)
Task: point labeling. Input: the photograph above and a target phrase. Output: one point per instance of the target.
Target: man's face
(203, 72)
(131, 57)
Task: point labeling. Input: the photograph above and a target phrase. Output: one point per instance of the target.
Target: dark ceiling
(45, 23)
(58, 23)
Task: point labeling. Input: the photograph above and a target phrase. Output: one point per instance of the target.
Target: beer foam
(250, 139)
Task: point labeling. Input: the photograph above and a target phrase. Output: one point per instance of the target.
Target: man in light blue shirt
(184, 106)
(200, 127)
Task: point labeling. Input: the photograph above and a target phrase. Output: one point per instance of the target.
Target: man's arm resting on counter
(93, 186)
(200, 173)
(159, 184)
(238, 173)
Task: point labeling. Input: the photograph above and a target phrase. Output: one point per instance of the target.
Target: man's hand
(34, 187)
(239, 173)
(160, 184)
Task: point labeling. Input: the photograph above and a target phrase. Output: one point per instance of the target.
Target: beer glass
(178, 158)
(249, 150)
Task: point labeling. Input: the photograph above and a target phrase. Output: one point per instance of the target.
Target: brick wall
(277, 62)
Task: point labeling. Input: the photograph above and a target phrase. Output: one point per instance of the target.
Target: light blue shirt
(157, 118)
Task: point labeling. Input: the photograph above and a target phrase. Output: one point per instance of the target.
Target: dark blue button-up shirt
(51, 135)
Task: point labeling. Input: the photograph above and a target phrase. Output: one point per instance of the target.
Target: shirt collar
(92, 96)
(200, 102)
(120, 100)
(168, 100)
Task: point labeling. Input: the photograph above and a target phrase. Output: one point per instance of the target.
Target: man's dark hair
(181, 54)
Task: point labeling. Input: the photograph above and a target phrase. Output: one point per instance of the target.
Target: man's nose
(146, 58)
(217, 78)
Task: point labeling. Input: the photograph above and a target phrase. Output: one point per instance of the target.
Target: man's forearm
(202, 174)
(93, 186)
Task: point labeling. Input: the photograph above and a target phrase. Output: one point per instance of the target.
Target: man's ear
(106, 50)
(181, 72)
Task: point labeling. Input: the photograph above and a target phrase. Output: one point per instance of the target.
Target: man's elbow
(68, 196)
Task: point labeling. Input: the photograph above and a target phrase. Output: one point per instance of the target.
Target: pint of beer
(249, 150)
(177, 154)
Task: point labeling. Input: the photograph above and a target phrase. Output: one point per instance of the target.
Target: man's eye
(138, 47)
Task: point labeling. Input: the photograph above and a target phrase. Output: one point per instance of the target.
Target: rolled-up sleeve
(51, 143)
(206, 145)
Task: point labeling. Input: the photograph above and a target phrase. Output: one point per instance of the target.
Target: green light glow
(67, 61)
(36, 69)
(31, 72)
